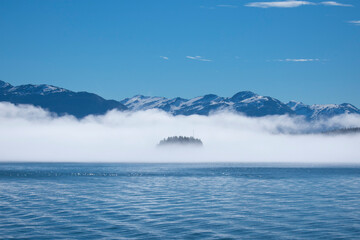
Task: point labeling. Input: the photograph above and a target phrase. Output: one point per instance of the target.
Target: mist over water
(32, 134)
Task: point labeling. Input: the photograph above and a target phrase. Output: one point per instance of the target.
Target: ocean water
(177, 201)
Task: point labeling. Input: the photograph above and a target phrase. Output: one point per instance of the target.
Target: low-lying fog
(32, 134)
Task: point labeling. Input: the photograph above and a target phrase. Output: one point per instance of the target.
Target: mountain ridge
(245, 102)
(80, 104)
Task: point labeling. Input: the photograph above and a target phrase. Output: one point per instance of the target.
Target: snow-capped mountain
(29, 89)
(140, 102)
(245, 102)
(80, 104)
(318, 111)
(57, 100)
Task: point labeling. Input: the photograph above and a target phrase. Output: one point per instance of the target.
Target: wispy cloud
(299, 60)
(279, 4)
(336, 4)
(199, 58)
(226, 6)
(355, 22)
(165, 58)
(293, 4)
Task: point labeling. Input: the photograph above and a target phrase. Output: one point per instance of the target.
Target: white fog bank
(32, 134)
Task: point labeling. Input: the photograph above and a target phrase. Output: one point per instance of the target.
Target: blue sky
(291, 50)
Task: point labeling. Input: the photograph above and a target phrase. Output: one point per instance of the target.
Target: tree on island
(181, 140)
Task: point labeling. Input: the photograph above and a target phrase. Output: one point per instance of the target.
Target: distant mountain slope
(317, 111)
(58, 100)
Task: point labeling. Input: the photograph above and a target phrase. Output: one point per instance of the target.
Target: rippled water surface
(177, 201)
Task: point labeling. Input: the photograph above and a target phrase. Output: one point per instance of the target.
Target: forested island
(180, 141)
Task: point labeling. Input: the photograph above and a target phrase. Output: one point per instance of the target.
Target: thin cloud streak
(279, 4)
(299, 60)
(165, 58)
(355, 22)
(198, 58)
(336, 4)
(294, 4)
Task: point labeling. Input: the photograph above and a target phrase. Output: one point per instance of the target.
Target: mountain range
(80, 104)
(58, 100)
(245, 102)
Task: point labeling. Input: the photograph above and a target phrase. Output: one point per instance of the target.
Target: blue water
(177, 201)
